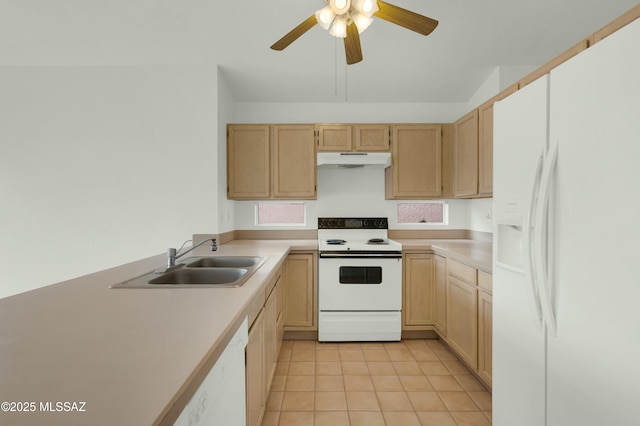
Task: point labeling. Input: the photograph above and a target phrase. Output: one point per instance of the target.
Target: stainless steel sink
(223, 262)
(199, 272)
(209, 276)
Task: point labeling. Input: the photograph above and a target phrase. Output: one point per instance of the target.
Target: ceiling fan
(346, 19)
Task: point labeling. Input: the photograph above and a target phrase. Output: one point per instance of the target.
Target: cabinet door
(334, 137)
(300, 304)
(270, 341)
(465, 155)
(248, 162)
(485, 336)
(485, 142)
(440, 298)
(416, 162)
(255, 372)
(462, 320)
(371, 137)
(294, 162)
(418, 290)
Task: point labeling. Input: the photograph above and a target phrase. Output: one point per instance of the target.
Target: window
(271, 214)
(434, 212)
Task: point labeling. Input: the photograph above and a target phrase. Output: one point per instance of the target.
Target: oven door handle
(361, 255)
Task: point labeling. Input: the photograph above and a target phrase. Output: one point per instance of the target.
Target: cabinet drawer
(462, 271)
(485, 282)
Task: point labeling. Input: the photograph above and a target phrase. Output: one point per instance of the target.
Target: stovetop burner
(377, 241)
(336, 242)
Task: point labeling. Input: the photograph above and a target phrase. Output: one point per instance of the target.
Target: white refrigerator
(566, 261)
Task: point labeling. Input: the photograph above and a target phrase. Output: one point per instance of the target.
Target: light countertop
(135, 356)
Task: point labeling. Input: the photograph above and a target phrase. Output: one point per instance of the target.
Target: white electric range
(359, 281)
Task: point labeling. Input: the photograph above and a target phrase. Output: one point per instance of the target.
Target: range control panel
(353, 223)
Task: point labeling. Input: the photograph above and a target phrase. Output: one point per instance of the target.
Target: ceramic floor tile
(303, 355)
(458, 401)
(425, 354)
(362, 401)
(299, 383)
(482, 399)
(302, 368)
(358, 383)
(298, 401)
(426, 401)
(328, 355)
(381, 368)
(433, 368)
(394, 401)
(328, 368)
(415, 383)
(351, 355)
(407, 418)
(470, 383)
(355, 368)
(436, 418)
(407, 368)
(375, 355)
(330, 401)
(412, 382)
(402, 354)
(296, 418)
(329, 383)
(444, 383)
(366, 418)
(475, 418)
(387, 383)
(331, 418)
(271, 418)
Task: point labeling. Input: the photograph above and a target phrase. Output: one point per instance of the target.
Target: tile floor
(413, 382)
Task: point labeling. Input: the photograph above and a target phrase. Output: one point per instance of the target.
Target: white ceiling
(472, 39)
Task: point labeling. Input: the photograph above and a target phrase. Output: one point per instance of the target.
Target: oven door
(360, 284)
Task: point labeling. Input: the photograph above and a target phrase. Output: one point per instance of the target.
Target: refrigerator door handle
(529, 241)
(541, 240)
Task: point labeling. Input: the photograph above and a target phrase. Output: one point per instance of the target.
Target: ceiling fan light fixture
(365, 7)
(362, 21)
(339, 27)
(340, 7)
(325, 17)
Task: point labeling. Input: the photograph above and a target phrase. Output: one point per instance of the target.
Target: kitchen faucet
(172, 255)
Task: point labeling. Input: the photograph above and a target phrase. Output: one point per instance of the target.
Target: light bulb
(361, 21)
(339, 28)
(340, 7)
(325, 17)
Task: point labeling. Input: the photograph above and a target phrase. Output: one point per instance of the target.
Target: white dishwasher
(220, 400)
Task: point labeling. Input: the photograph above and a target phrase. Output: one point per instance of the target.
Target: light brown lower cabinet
(463, 314)
(301, 294)
(417, 297)
(440, 295)
(485, 326)
(254, 372)
(462, 320)
(261, 355)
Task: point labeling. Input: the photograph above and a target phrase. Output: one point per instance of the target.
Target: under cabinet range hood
(354, 160)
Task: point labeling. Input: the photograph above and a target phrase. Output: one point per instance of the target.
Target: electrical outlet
(488, 216)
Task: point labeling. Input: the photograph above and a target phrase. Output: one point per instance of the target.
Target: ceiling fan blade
(406, 18)
(352, 45)
(293, 35)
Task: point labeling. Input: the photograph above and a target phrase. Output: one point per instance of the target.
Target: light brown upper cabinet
(248, 162)
(465, 155)
(353, 137)
(334, 137)
(485, 142)
(265, 162)
(416, 162)
(294, 162)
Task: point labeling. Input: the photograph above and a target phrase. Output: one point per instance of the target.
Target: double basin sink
(199, 272)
